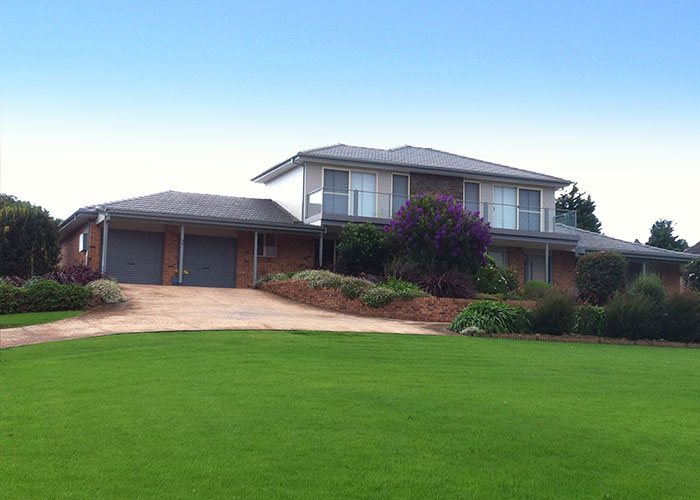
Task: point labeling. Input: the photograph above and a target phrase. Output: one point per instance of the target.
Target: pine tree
(662, 237)
(584, 207)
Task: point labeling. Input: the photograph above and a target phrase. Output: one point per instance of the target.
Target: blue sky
(108, 100)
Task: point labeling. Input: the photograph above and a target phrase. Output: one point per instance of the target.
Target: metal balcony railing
(330, 202)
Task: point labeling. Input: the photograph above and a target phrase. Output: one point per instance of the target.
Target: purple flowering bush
(436, 233)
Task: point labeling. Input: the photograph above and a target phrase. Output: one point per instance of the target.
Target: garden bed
(432, 309)
(584, 339)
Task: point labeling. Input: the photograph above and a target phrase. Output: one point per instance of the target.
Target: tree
(584, 207)
(28, 238)
(662, 237)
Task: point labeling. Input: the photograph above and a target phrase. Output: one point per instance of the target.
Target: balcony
(354, 205)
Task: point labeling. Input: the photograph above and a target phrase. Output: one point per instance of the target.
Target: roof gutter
(660, 258)
(301, 228)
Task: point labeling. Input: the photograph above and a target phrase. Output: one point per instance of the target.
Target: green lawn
(325, 415)
(26, 319)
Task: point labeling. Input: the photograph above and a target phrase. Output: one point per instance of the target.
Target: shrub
(107, 291)
(402, 268)
(34, 280)
(272, 277)
(525, 320)
(600, 275)
(630, 316)
(450, 284)
(493, 278)
(535, 290)
(590, 320)
(11, 280)
(491, 317)
(651, 286)
(554, 313)
(487, 296)
(403, 289)
(319, 279)
(354, 287)
(691, 275)
(682, 320)
(438, 235)
(362, 248)
(11, 299)
(81, 275)
(378, 296)
(51, 296)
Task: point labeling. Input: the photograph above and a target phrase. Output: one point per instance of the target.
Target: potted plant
(175, 280)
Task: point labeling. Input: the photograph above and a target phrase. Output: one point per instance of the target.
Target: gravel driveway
(169, 308)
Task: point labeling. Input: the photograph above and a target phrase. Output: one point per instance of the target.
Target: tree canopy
(584, 207)
(28, 238)
(662, 237)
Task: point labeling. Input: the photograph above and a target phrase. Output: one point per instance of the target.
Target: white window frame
(408, 189)
(347, 195)
(517, 201)
(269, 251)
(540, 209)
(84, 241)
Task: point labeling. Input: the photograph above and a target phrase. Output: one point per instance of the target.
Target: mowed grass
(327, 415)
(27, 319)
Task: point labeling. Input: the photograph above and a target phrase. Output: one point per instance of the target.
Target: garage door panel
(135, 256)
(210, 261)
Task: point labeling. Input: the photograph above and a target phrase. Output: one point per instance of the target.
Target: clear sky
(107, 100)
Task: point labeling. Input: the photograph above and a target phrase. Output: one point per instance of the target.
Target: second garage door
(210, 261)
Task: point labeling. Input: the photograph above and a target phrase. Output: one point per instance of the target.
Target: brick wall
(70, 256)
(428, 183)
(564, 269)
(294, 253)
(171, 252)
(516, 260)
(432, 309)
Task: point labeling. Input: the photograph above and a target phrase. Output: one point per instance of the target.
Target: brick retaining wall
(431, 309)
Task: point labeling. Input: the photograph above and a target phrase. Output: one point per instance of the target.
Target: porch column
(105, 233)
(255, 257)
(181, 256)
(548, 278)
(320, 251)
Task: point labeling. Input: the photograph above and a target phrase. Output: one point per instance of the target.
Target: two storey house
(210, 240)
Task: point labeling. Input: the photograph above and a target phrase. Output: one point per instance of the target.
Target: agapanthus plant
(438, 234)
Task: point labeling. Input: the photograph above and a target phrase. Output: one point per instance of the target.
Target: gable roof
(695, 249)
(203, 208)
(594, 242)
(425, 158)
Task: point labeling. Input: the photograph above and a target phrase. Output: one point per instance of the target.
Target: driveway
(170, 308)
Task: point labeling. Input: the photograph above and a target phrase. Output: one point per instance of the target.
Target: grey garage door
(210, 261)
(135, 256)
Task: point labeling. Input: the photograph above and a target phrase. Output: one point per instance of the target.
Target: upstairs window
(471, 196)
(267, 245)
(399, 191)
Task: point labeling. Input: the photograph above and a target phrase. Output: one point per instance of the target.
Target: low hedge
(45, 295)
